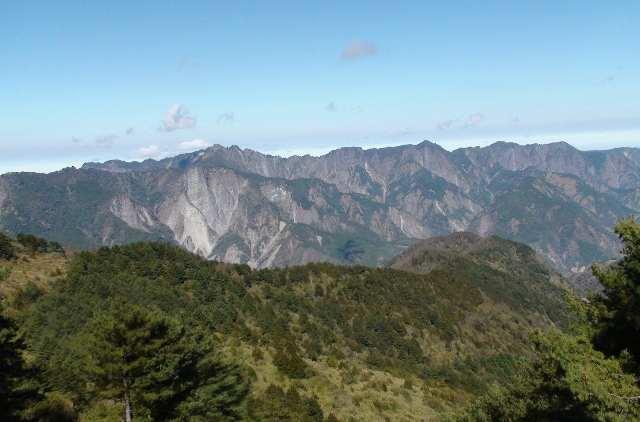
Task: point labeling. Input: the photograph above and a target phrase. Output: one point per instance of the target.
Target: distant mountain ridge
(350, 205)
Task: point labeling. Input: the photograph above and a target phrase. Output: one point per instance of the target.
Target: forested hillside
(590, 371)
(206, 340)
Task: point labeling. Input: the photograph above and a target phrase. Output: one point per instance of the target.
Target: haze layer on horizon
(92, 82)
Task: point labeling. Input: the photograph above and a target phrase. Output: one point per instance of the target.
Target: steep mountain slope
(365, 343)
(350, 205)
(216, 212)
(565, 219)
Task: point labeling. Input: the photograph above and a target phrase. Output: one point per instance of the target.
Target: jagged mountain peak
(555, 156)
(350, 205)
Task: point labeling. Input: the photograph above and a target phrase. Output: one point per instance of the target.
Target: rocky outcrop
(350, 205)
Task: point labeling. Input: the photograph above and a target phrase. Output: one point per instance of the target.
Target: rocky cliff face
(351, 205)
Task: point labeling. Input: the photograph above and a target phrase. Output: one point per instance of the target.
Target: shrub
(289, 362)
(36, 244)
(7, 250)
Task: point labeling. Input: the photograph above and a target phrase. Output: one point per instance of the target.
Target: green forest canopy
(174, 336)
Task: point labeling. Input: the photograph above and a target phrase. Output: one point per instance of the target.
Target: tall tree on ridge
(159, 369)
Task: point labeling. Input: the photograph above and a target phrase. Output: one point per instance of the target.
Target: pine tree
(160, 370)
(618, 319)
(12, 370)
(569, 381)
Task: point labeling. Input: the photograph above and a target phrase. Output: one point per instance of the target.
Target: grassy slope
(375, 344)
(29, 275)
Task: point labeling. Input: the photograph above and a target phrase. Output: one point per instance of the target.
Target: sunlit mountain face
(348, 206)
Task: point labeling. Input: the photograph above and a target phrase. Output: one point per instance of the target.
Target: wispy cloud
(188, 63)
(332, 107)
(193, 145)
(177, 117)
(106, 140)
(445, 124)
(611, 77)
(226, 118)
(607, 79)
(184, 62)
(358, 49)
(472, 120)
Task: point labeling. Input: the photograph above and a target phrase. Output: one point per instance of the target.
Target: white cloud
(193, 145)
(177, 117)
(151, 151)
(358, 49)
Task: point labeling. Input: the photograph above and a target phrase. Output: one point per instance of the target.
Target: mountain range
(349, 206)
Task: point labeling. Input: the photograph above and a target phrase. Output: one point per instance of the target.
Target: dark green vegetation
(12, 370)
(121, 328)
(350, 251)
(591, 371)
(171, 336)
(7, 251)
(157, 366)
(503, 270)
(460, 327)
(35, 244)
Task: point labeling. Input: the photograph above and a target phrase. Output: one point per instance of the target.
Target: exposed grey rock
(243, 206)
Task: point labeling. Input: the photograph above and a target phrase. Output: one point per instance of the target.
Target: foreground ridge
(306, 341)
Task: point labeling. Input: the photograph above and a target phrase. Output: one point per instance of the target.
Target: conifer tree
(12, 370)
(618, 319)
(158, 369)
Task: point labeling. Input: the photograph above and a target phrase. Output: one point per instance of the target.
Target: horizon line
(325, 152)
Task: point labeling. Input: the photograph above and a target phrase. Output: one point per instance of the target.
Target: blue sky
(83, 81)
